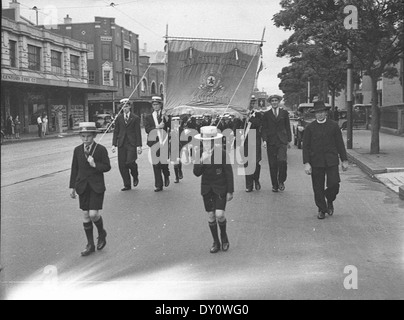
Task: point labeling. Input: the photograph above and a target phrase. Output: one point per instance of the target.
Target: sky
(222, 19)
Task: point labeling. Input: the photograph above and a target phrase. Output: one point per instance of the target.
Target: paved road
(158, 244)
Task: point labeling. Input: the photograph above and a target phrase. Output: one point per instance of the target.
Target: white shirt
(323, 121)
(39, 120)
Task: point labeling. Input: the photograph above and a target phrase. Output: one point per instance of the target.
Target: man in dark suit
(157, 121)
(322, 144)
(90, 161)
(276, 134)
(253, 122)
(128, 138)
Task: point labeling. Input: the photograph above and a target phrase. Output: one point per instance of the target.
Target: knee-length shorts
(91, 200)
(213, 201)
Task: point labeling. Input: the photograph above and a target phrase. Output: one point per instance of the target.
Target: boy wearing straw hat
(217, 185)
(90, 161)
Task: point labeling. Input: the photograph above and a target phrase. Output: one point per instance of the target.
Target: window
(75, 65)
(153, 88)
(13, 53)
(106, 51)
(56, 61)
(91, 77)
(143, 86)
(127, 55)
(161, 89)
(34, 58)
(107, 77)
(90, 54)
(128, 78)
(118, 53)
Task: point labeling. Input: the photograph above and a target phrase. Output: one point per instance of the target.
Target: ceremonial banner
(209, 76)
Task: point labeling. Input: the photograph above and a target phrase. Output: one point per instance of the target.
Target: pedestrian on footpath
(10, 127)
(128, 138)
(39, 123)
(217, 185)
(44, 125)
(253, 122)
(322, 145)
(277, 135)
(17, 123)
(90, 161)
(158, 121)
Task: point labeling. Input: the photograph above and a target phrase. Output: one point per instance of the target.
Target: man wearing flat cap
(276, 134)
(128, 138)
(323, 147)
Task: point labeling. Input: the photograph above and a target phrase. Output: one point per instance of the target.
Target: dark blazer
(215, 177)
(256, 124)
(131, 131)
(82, 174)
(322, 144)
(149, 126)
(276, 131)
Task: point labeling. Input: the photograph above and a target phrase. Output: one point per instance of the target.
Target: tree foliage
(377, 44)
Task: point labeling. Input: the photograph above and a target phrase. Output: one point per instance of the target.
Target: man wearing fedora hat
(277, 135)
(158, 121)
(90, 161)
(217, 185)
(128, 138)
(322, 145)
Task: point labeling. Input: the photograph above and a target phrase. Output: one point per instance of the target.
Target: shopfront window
(13, 53)
(75, 65)
(34, 58)
(56, 61)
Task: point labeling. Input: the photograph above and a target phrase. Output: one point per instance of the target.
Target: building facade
(42, 73)
(113, 60)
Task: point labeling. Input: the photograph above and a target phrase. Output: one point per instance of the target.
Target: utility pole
(349, 100)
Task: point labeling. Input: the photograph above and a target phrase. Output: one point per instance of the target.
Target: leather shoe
(275, 189)
(166, 182)
(248, 190)
(321, 215)
(330, 207)
(102, 242)
(225, 246)
(177, 180)
(126, 188)
(281, 186)
(215, 248)
(257, 185)
(135, 182)
(90, 248)
(158, 189)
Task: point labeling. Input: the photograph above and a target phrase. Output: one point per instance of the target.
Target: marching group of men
(323, 147)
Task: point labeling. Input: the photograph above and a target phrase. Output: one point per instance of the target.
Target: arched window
(143, 87)
(153, 88)
(161, 89)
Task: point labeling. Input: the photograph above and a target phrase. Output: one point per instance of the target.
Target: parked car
(103, 122)
(361, 115)
(304, 118)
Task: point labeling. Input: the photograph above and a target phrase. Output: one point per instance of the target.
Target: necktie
(126, 119)
(276, 113)
(159, 117)
(87, 150)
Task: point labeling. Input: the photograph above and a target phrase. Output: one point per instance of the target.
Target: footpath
(387, 166)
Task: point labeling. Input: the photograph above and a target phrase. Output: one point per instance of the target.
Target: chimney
(67, 20)
(145, 47)
(14, 4)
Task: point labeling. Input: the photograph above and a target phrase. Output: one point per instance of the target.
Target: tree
(377, 43)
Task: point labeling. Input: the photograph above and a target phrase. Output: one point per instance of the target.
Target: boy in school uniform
(90, 161)
(217, 185)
